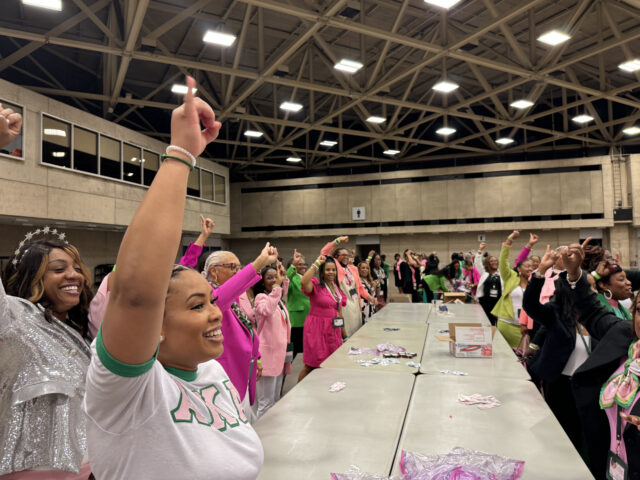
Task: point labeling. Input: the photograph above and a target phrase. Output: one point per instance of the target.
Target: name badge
(353, 292)
(288, 358)
(493, 293)
(338, 322)
(616, 468)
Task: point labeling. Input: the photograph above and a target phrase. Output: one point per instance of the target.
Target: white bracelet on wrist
(184, 151)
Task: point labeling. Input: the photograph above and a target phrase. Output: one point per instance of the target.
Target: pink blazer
(274, 329)
(362, 292)
(548, 289)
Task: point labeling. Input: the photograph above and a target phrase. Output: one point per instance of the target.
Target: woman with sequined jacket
(44, 353)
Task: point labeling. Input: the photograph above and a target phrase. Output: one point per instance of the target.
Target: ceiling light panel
(375, 119)
(442, 3)
(252, 133)
(181, 89)
(291, 107)
(445, 86)
(48, 4)
(349, 66)
(328, 143)
(219, 38)
(391, 152)
(631, 130)
(294, 159)
(582, 118)
(553, 38)
(521, 104)
(504, 141)
(445, 131)
(631, 65)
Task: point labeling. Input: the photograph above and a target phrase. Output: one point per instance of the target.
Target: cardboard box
(451, 297)
(472, 340)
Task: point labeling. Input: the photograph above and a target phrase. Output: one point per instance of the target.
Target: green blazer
(511, 279)
(297, 302)
(435, 282)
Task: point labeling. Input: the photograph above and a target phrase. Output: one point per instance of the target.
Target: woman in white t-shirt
(158, 405)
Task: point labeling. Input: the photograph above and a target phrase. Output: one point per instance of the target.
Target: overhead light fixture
(375, 119)
(631, 65)
(391, 152)
(294, 159)
(49, 4)
(349, 66)
(554, 37)
(582, 118)
(446, 131)
(631, 130)
(290, 106)
(521, 104)
(442, 3)
(328, 143)
(252, 133)
(181, 89)
(55, 132)
(219, 38)
(445, 86)
(505, 141)
(58, 154)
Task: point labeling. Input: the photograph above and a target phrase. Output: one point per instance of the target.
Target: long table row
(387, 408)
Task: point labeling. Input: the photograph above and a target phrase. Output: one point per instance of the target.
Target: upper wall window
(14, 149)
(131, 163)
(150, 165)
(109, 157)
(220, 189)
(85, 150)
(56, 142)
(193, 185)
(207, 184)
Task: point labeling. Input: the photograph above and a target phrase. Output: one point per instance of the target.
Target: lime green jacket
(511, 280)
(297, 302)
(435, 282)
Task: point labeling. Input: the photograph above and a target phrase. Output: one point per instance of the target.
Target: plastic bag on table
(354, 473)
(390, 348)
(460, 464)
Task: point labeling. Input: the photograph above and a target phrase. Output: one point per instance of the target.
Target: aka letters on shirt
(145, 421)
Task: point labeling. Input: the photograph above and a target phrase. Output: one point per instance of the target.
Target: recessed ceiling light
(554, 37)
(391, 152)
(505, 141)
(631, 65)
(181, 89)
(290, 106)
(349, 66)
(446, 131)
(582, 118)
(50, 4)
(631, 130)
(58, 154)
(445, 86)
(521, 104)
(294, 159)
(253, 133)
(442, 3)
(328, 143)
(55, 132)
(219, 38)
(375, 119)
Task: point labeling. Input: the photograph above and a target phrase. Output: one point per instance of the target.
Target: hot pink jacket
(274, 329)
(362, 292)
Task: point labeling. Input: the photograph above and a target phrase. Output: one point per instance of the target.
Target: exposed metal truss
(118, 59)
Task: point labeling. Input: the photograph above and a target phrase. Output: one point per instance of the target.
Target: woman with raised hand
(510, 304)
(44, 353)
(613, 286)
(297, 301)
(324, 328)
(410, 274)
(490, 285)
(608, 380)
(158, 405)
(379, 276)
(274, 329)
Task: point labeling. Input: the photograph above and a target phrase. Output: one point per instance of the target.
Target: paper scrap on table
(412, 364)
(337, 386)
(390, 329)
(454, 372)
(481, 401)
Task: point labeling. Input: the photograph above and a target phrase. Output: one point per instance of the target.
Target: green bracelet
(595, 275)
(317, 263)
(164, 156)
(337, 240)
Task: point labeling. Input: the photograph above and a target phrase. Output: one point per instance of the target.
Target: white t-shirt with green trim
(148, 422)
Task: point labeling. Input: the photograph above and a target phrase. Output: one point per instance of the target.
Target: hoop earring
(607, 294)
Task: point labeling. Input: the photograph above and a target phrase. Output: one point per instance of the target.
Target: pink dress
(320, 338)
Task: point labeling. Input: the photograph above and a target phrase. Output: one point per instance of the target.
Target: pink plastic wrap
(460, 464)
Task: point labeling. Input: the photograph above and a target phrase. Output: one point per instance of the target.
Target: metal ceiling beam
(96, 21)
(175, 20)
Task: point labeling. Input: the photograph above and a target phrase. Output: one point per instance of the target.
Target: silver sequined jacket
(42, 375)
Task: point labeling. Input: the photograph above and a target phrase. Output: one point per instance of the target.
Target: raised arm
(306, 283)
(526, 250)
(503, 261)
(477, 259)
(542, 313)
(133, 320)
(331, 246)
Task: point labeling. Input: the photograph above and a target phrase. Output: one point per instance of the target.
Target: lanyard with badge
(350, 282)
(617, 469)
(338, 322)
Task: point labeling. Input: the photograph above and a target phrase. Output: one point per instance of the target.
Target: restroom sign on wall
(358, 214)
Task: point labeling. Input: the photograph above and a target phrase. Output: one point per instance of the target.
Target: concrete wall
(34, 190)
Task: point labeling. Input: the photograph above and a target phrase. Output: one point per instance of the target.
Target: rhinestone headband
(18, 256)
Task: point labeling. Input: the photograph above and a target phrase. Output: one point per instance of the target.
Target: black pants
(296, 338)
(559, 397)
(487, 304)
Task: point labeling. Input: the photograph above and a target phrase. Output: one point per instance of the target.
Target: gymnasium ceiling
(119, 59)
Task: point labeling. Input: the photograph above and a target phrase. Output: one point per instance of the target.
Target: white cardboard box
(470, 340)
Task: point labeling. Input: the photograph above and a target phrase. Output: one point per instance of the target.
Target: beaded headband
(29, 237)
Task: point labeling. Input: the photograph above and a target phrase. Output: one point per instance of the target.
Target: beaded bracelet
(183, 151)
(164, 156)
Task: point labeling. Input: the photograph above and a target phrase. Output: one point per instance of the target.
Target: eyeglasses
(235, 267)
